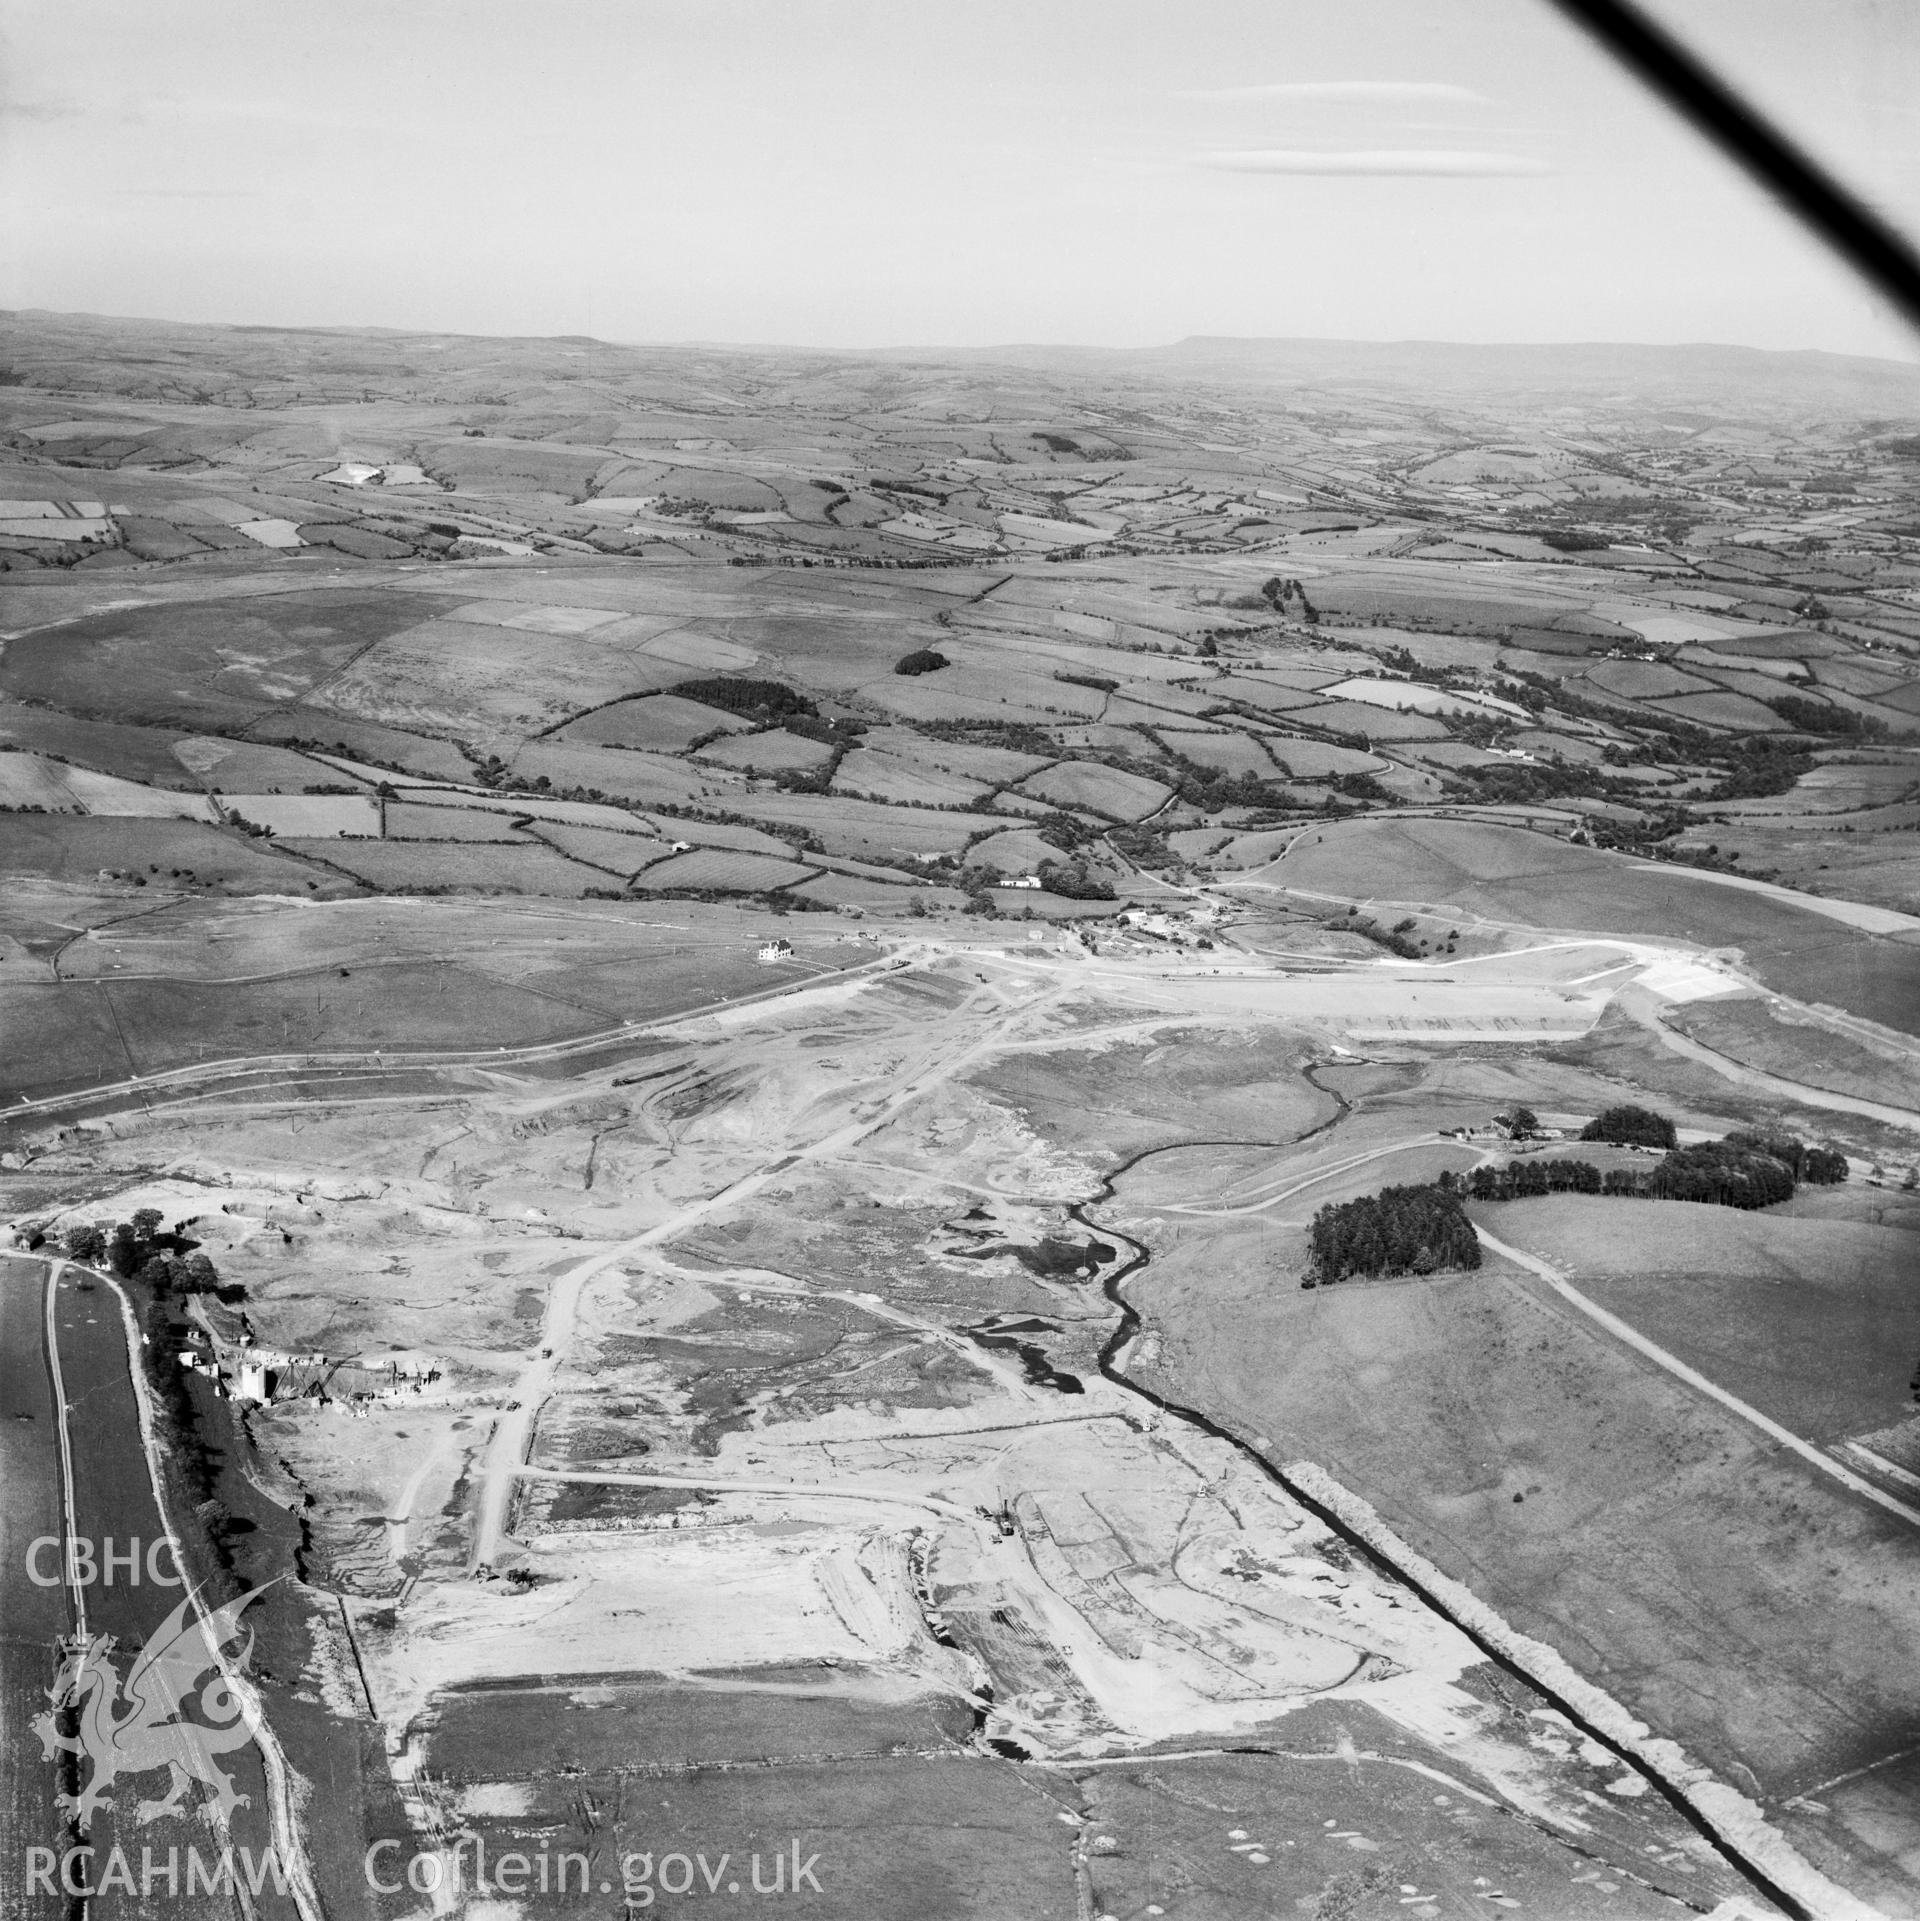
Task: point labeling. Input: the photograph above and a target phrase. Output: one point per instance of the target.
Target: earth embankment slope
(1535, 882)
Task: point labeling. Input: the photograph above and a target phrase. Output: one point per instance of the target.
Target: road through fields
(33, 1616)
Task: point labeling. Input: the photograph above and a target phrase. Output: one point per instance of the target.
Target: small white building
(1026, 880)
(776, 950)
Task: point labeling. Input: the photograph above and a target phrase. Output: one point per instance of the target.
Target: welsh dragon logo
(160, 1727)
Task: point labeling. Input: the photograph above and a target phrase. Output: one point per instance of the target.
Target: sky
(865, 173)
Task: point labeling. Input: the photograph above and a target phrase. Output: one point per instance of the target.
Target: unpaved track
(507, 1447)
(1678, 1368)
(1646, 1012)
(1327, 1173)
(785, 1490)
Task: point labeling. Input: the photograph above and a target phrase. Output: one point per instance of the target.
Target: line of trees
(1743, 1170)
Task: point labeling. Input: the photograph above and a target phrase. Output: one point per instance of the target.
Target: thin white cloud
(45, 110)
(1430, 162)
(1359, 92)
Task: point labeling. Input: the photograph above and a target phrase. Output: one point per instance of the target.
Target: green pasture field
(1880, 869)
(1028, 903)
(1643, 679)
(664, 723)
(746, 493)
(626, 772)
(78, 847)
(64, 1035)
(1226, 753)
(1227, 1171)
(600, 846)
(966, 760)
(1123, 711)
(774, 751)
(28, 781)
(1257, 848)
(1722, 1590)
(910, 1833)
(1855, 780)
(865, 830)
(1725, 710)
(1101, 790)
(1760, 687)
(1541, 740)
(966, 693)
(506, 467)
(645, 1720)
(879, 775)
(1303, 1810)
(220, 661)
(827, 651)
(835, 889)
(1312, 759)
(1135, 742)
(132, 753)
(723, 870)
(308, 814)
(714, 833)
(1796, 644)
(1018, 851)
(412, 866)
(1814, 1321)
(1748, 1030)
(84, 1033)
(1853, 678)
(365, 741)
(1376, 723)
(1549, 884)
(1381, 598)
(1554, 657)
(246, 767)
(425, 820)
(1447, 753)
(151, 539)
(1198, 843)
(1160, 698)
(1268, 696)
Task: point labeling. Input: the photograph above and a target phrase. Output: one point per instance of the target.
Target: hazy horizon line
(711, 345)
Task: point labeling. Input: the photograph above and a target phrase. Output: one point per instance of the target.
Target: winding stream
(1130, 1324)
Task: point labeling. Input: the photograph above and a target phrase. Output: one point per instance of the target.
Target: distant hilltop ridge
(34, 344)
(1645, 369)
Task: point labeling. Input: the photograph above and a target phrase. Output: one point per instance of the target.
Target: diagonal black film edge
(1874, 248)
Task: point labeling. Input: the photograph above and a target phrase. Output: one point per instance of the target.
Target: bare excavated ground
(826, 1505)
